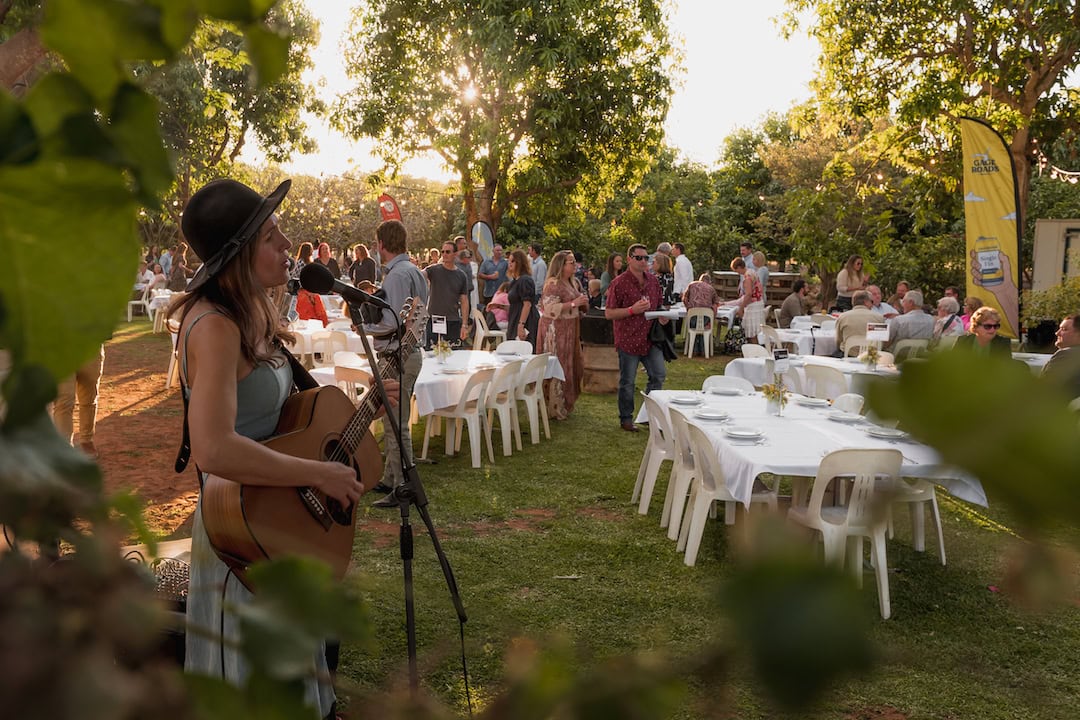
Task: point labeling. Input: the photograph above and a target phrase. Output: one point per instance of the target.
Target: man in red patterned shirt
(629, 297)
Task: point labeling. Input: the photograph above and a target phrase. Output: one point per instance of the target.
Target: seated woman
(499, 306)
(701, 294)
(160, 281)
(984, 338)
(948, 319)
(750, 290)
(596, 298)
(309, 306)
(971, 304)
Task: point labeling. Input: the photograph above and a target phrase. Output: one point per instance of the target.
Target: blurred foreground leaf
(994, 418)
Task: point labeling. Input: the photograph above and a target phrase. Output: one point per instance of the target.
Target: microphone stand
(410, 492)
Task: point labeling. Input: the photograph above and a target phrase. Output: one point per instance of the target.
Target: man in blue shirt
(493, 273)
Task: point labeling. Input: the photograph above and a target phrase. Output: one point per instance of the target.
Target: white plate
(742, 432)
(725, 391)
(453, 371)
(711, 415)
(686, 400)
(485, 366)
(885, 432)
(812, 401)
(844, 417)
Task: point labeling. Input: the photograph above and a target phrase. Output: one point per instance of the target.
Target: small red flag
(388, 208)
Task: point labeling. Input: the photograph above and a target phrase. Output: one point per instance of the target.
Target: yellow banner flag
(993, 229)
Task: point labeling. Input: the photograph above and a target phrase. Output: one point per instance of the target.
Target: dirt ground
(138, 432)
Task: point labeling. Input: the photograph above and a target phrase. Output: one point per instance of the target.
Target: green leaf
(53, 99)
(239, 11)
(269, 52)
(96, 37)
(18, 141)
(178, 19)
(46, 483)
(134, 127)
(1023, 445)
(60, 323)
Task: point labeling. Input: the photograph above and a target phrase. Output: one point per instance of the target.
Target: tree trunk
(1019, 151)
(18, 56)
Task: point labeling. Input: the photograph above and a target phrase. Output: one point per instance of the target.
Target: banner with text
(993, 229)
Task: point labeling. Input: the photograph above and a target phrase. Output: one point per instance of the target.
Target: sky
(737, 68)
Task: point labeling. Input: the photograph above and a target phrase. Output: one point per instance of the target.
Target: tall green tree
(521, 98)
(929, 62)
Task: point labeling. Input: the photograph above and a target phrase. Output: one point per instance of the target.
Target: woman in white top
(849, 280)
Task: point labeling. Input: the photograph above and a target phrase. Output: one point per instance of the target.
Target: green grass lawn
(546, 545)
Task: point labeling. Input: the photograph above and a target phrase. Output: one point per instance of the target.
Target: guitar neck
(372, 401)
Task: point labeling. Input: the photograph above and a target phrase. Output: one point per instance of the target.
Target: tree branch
(18, 55)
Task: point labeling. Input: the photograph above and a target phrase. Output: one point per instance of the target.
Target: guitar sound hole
(342, 516)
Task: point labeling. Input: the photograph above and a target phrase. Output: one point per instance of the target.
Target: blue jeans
(655, 368)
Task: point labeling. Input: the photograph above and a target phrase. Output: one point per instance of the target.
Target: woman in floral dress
(562, 303)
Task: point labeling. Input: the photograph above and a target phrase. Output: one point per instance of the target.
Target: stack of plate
(725, 391)
(686, 400)
(885, 433)
(844, 417)
(711, 415)
(743, 432)
(812, 401)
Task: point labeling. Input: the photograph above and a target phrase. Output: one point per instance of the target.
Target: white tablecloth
(855, 372)
(678, 310)
(436, 389)
(1036, 361)
(809, 341)
(798, 440)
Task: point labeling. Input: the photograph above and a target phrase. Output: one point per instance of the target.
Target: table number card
(877, 331)
(438, 324)
(780, 361)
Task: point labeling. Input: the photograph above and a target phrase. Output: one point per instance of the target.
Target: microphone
(317, 279)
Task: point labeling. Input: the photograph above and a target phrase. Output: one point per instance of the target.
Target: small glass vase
(773, 406)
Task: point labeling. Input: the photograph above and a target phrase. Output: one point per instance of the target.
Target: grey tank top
(259, 395)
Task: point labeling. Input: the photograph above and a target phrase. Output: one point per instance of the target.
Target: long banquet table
(855, 372)
(794, 443)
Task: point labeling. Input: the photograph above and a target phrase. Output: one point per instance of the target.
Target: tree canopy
(519, 97)
(927, 63)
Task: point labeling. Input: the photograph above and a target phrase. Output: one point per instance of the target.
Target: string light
(1043, 163)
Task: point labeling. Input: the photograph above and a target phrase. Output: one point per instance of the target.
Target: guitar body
(248, 523)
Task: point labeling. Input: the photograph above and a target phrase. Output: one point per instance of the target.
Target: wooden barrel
(601, 368)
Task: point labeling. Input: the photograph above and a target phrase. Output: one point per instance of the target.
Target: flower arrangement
(870, 356)
(442, 349)
(775, 393)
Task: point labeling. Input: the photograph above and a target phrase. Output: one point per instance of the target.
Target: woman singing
(236, 378)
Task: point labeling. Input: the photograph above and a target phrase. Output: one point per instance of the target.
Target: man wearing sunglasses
(1064, 366)
(629, 297)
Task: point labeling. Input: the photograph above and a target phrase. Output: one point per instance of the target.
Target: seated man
(881, 308)
(914, 324)
(1064, 366)
(853, 322)
(793, 303)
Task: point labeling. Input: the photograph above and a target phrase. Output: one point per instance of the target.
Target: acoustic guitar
(248, 523)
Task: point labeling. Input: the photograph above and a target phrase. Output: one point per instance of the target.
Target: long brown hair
(555, 270)
(522, 266)
(237, 294)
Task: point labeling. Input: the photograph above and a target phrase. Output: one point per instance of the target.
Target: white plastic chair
(945, 342)
(918, 494)
(324, 344)
(752, 350)
(709, 486)
(658, 450)
(727, 381)
(864, 516)
(904, 349)
(143, 302)
(514, 347)
(824, 382)
(340, 324)
(353, 381)
(160, 312)
(829, 326)
(683, 474)
(502, 399)
(172, 375)
(848, 402)
(886, 358)
(854, 345)
(776, 316)
(470, 411)
(483, 332)
(530, 390)
(699, 324)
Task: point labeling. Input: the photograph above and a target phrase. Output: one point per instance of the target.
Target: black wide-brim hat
(221, 218)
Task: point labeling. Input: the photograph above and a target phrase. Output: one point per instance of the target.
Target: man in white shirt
(914, 324)
(539, 267)
(881, 308)
(684, 271)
